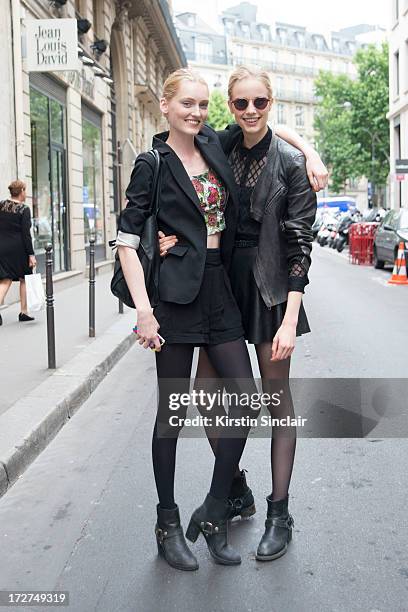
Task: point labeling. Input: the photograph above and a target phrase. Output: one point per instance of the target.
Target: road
(82, 517)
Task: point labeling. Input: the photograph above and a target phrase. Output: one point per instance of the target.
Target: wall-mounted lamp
(99, 47)
(83, 25)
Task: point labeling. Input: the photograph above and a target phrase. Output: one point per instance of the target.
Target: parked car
(392, 230)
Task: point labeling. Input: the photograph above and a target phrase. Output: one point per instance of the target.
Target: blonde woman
(268, 272)
(196, 306)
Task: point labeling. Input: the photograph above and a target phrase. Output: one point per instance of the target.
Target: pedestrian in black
(196, 305)
(16, 248)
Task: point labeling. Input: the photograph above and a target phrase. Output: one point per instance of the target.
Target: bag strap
(155, 184)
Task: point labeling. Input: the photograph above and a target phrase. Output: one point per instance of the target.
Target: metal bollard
(120, 307)
(49, 292)
(92, 287)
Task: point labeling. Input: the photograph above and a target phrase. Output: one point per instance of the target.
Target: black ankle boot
(211, 519)
(171, 543)
(278, 531)
(241, 497)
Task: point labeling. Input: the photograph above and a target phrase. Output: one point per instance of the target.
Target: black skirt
(212, 318)
(260, 324)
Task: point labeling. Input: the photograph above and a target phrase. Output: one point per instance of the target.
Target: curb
(33, 421)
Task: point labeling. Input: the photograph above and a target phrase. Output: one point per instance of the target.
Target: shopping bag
(35, 292)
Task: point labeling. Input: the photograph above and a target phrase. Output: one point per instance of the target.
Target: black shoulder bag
(148, 251)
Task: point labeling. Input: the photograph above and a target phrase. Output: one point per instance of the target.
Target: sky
(316, 15)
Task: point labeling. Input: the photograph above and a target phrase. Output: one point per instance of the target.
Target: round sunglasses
(242, 103)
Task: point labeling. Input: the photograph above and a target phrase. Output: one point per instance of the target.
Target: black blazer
(181, 271)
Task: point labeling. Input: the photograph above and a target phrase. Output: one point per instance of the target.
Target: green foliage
(353, 138)
(218, 113)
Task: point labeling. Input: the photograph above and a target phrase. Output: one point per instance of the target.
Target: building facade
(73, 135)
(398, 115)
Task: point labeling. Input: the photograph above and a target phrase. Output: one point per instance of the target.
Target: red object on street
(400, 177)
(399, 273)
(361, 242)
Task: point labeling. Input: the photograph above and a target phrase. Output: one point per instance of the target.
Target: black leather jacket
(285, 205)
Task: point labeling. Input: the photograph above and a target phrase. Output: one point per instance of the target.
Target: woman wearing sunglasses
(268, 274)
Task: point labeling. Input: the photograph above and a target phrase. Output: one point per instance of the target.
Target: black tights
(231, 361)
(275, 376)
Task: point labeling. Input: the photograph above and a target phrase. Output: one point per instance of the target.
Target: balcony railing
(270, 66)
(276, 66)
(288, 95)
(206, 59)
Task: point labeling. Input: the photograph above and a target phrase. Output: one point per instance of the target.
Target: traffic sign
(401, 166)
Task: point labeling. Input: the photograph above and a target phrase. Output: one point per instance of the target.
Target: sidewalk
(36, 402)
(23, 346)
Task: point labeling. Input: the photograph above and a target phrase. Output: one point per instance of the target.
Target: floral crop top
(212, 196)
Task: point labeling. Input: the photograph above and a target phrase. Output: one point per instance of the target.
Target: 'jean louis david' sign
(52, 44)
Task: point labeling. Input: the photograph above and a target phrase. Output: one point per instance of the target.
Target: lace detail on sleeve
(297, 270)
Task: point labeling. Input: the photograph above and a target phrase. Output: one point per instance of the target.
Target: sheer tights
(275, 377)
(231, 361)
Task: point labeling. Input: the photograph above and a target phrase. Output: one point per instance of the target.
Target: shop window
(92, 190)
(47, 118)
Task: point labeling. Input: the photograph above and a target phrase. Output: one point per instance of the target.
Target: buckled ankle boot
(171, 543)
(278, 530)
(211, 519)
(241, 497)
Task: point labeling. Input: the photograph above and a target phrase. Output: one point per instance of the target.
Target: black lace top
(247, 165)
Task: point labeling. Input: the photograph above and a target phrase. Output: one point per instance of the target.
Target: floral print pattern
(211, 194)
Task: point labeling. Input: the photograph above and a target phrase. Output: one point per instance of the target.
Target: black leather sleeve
(138, 194)
(299, 218)
(25, 228)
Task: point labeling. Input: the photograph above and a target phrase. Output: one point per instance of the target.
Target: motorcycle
(343, 230)
(325, 233)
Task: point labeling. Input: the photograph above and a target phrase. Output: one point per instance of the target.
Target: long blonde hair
(244, 72)
(172, 83)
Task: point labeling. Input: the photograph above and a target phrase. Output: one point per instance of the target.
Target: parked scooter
(326, 230)
(343, 230)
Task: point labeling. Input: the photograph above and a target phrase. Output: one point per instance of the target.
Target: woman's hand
(166, 242)
(147, 328)
(32, 262)
(316, 171)
(283, 343)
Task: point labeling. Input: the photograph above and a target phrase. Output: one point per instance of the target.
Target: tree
(218, 113)
(351, 123)
(333, 123)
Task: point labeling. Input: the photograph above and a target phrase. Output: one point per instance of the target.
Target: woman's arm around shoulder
(316, 170)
